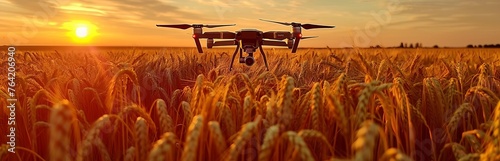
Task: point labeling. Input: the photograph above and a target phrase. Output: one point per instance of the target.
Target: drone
(249, 40)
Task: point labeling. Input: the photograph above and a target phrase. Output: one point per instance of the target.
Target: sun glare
(81, 32)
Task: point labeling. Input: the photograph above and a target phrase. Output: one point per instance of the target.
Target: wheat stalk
(192, 139)
(166, 123)
(102, 149)
(382, 69)
(285, 96)
(339, 114)
(130, 154)
(313, 134)
(270, 140)
(3, 150)
(113, 87)
(473, 156)
(60, 132)
(85, 147)
(300, 146)
(217, 136)
(129, 111)
(452, 124)
(197, 92)
(247, 109)
(142, 140)
(186, 109)
(243, 137)
(492, 149)
(365, 142)
(317, 123)
(394, 154)
(472, 140)
(457, 149)
(162, 148)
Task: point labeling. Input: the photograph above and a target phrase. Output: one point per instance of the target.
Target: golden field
(139, 104)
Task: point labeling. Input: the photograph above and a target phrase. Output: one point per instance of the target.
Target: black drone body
(249, 40)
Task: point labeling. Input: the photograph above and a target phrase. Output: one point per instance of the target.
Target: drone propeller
(295, 24)
(214, 26)
(186, 26)
(283, 23)
(308, 37)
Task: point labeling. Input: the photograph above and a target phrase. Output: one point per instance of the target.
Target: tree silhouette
(401, 45)
(436, 46)
(470, 46)
(480, 46)
(411, 45)
(406, 45)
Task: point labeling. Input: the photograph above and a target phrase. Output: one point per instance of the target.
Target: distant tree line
(484, 46)
(405, 45)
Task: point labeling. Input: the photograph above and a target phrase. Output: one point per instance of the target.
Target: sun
(82, 31)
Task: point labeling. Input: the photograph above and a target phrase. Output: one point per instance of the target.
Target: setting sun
(81, 32)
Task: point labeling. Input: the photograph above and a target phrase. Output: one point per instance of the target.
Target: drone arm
(198, 44)
(225, 43)
(218, 35)
(295, 44)
(273, 43)
(276, 35)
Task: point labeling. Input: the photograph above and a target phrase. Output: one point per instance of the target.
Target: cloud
(448, 13)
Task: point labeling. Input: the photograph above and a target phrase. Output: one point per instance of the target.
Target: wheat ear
(300, 146)
(85, 147)
(166, 123)
(238, 145)
(270, 140)
(192, 139)
(162, 148)
(365, 142)
(60, 132)
(217, 136)
(142, 140)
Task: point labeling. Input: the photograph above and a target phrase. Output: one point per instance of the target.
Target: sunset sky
(358, 22)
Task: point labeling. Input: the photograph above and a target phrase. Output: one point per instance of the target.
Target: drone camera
(249, 60)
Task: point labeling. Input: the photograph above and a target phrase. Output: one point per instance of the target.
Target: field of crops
(318, 104)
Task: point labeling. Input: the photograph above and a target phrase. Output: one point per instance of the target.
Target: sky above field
(358, 22)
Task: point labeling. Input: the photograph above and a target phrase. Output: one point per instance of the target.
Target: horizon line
(147, 46)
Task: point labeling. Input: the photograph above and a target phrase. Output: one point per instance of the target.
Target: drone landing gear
(264, 56)
(249, 61)
(234, 55)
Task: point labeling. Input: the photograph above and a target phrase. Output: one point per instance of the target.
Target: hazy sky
(359, 22)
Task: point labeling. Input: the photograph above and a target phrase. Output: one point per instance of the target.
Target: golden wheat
(285, 100)
(166, 122)
(60, 134)
(457, 116)
(269, 143)
(192, 139)
(217, 136)
(141, 132)
(335, 104)
(299, 145)
(85, 148)
(162, 149)
(130, 154)
(365, 142)
(244, 136)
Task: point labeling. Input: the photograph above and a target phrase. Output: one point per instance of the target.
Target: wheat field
(316, 105)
